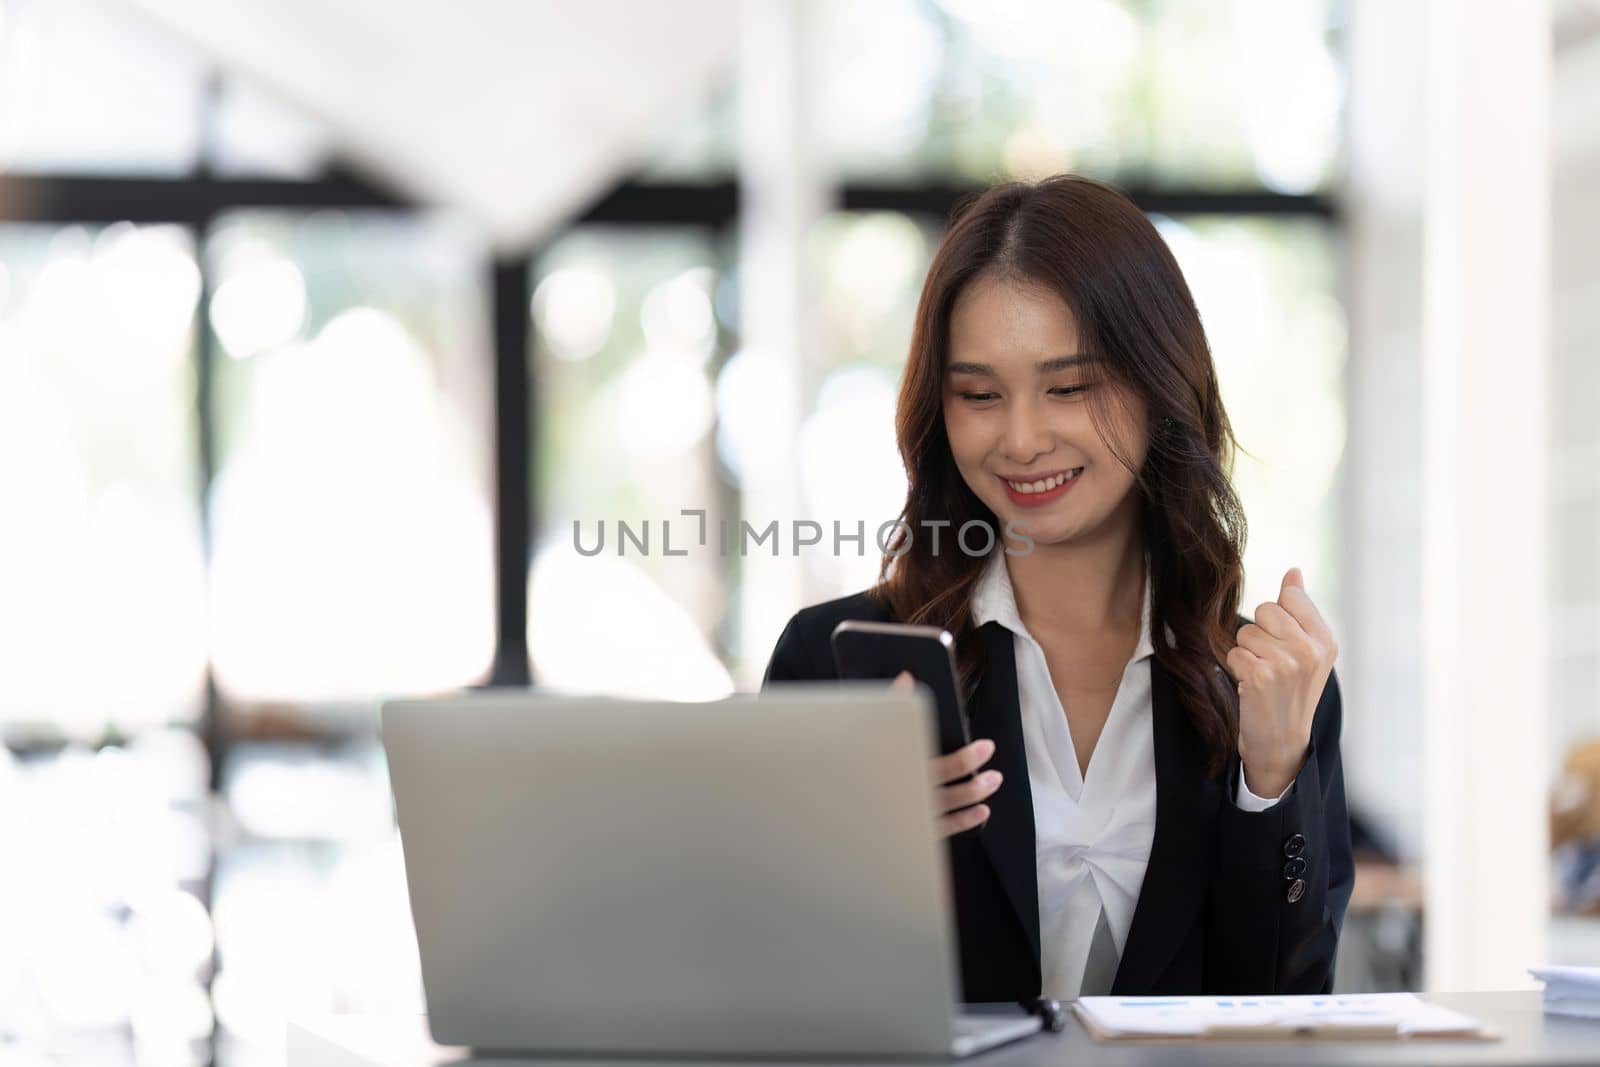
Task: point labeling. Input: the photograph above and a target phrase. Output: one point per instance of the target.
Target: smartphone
(881, 650)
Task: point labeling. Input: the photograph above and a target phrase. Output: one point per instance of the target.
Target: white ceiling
(515, 112)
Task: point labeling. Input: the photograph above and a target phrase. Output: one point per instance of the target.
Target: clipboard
(1362, 1017)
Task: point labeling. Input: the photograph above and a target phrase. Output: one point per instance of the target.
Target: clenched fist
(1281, 663)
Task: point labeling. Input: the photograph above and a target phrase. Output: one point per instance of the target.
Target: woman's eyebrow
(1044, 366)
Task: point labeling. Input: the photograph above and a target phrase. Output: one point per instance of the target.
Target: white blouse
(1092, 831)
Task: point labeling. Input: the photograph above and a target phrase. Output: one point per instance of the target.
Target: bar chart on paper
(1367, 1016)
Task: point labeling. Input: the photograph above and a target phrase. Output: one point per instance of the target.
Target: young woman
(1160, 807)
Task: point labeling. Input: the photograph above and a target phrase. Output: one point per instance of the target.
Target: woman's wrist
(1269, 779)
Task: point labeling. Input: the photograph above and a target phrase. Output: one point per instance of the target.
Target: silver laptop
(758, 875)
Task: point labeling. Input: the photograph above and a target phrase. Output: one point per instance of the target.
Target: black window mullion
(510, 289)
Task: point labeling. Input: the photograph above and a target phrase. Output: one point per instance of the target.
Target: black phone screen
(881, 650)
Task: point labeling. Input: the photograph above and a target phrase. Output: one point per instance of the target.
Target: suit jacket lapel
(1008, 837)
(1175, 878)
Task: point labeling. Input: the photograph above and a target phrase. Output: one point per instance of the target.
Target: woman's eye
(977, 396)
(1069, 390)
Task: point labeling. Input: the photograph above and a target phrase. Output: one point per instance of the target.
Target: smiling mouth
(1044, 484)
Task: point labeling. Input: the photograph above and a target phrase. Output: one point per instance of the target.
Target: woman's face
(1017, 413)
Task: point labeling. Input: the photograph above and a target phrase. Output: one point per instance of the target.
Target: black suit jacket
(1218, 911)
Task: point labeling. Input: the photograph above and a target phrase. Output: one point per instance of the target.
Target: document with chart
(1368, 1016)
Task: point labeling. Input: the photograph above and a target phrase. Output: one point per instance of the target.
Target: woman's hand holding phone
(957, 803)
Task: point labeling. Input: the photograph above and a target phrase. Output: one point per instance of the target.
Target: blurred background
(323, 324)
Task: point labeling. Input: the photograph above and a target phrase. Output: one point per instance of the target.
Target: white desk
(1529, 1039)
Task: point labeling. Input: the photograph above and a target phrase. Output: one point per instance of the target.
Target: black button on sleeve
(1297, 889)
(1295, 867)
(1294, 846)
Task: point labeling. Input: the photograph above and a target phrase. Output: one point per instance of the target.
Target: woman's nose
(1026, 435)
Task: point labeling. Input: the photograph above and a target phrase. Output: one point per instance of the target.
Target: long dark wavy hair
(1088, 244)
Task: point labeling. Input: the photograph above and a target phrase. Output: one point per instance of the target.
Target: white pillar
(1484, 490)
(782, 194)
(1380, 668)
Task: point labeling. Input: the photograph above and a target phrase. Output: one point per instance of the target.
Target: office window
(1212, 118)
(309, 895)
(108, 945)
(1156, 92)
(1267, 292)
(352, 531)
(101, 569)
(869, 268)
(629, 336)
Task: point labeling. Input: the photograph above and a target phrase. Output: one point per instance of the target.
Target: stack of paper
(1570, 990)
(1369, 1015)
